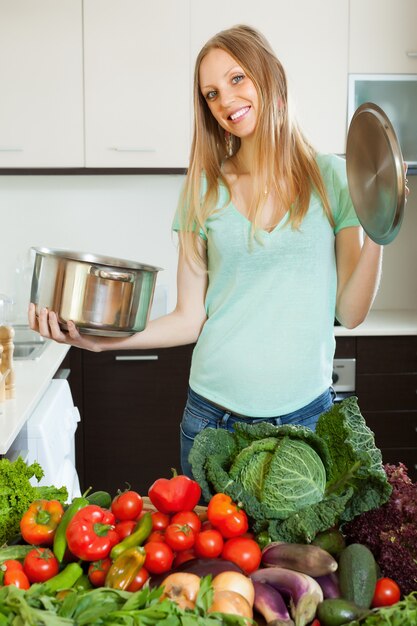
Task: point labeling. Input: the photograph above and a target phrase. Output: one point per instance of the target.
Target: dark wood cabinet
(386, 386)
(131, 405)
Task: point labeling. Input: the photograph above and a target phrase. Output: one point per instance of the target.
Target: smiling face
(230, 94)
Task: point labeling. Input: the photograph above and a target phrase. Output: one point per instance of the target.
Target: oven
(343, 376)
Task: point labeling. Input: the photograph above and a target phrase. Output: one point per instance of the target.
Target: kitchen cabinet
(311, 41)
(137, 87)
(386, 386)
(41, 106)
(383, 37)
(131, 405)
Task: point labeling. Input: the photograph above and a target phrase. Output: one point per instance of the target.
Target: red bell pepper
(227, 516)
(91, 533)
(39, 523)
(171, 495)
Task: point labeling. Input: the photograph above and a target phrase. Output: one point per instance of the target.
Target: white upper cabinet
(41, 102)
(311, 40)
(137, 88)
(383, 37)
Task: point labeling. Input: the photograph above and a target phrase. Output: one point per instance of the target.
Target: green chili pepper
(141, 532)
(124, 569)
(65, 579)
(60, 540)
(83, 583)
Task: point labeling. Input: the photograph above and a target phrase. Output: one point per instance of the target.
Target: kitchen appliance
(48, 437)
(344, 373)
(375, 171)
(101, 295)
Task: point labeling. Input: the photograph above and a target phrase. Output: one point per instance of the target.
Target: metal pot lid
(375, 172)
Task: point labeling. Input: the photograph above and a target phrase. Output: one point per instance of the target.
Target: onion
(233, 581)
(227, 601)
(182, 588)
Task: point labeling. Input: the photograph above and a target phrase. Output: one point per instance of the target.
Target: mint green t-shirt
(267, 346)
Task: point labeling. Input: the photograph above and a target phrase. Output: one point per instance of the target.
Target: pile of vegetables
(293, 482)
(17, 493)
(390, 531)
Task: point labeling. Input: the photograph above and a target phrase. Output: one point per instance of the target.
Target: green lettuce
(291, 481)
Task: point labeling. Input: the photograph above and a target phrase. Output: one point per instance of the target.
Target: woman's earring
(228, 138)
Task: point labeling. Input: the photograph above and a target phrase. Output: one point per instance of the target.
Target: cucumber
(100, 498)
(331, 540)
(357, 574)
(336, 611)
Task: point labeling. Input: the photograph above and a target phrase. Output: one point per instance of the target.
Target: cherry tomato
(159, 520)
(244, 552)
(208, 544)
(139, 580)
(10, 564)
(125, 528)
(180, 537)
(40, 564)
(159, 557)
(156, 535)
(386, 593)
(183, 556)
(97, 571)
(17, 578)
(315, 622)
(127, 505)
(187, 517)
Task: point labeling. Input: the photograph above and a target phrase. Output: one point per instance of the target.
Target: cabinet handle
(144, 357)
(121, 149)
(11, 149)
(412, 54)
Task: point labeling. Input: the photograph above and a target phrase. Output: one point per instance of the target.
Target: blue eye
(237, 79)
(210, 95)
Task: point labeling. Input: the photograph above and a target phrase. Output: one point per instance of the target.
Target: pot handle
(124, 277)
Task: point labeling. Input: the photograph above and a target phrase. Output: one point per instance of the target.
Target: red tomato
(40, 564)
(159, 557)
(17, 578)
(10, 564)
(187, 517)
(127, 505)
(156, 535)
(125, 528)
(208, 544)
(315, 622)
(180, 537)
(159, 520)
(139, 580)
(226, 516)
(246, 553)
(183, 556)
(97, 571)
(386, 592)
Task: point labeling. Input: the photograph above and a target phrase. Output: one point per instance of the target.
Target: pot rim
(97, 259)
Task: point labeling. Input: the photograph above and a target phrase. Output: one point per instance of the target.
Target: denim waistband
(224, 416)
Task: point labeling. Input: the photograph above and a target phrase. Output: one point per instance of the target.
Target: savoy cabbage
(291, 481)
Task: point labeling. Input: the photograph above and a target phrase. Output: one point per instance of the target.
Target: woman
(270, 251)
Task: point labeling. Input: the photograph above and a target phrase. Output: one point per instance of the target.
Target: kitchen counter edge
(383, 323)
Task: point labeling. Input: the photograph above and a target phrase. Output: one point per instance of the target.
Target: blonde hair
(284, 159)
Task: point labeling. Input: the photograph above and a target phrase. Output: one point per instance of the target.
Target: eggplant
(304, 591)
(270, 604)
(305, 558)
(329, 585)
(200, 567)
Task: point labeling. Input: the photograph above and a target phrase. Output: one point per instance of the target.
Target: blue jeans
(199, 413)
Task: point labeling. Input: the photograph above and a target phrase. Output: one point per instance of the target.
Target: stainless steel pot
(101, 295)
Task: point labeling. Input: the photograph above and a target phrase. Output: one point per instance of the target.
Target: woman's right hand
(46, 324)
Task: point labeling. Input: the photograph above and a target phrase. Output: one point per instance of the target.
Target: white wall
(122, 216)
(130, 217)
